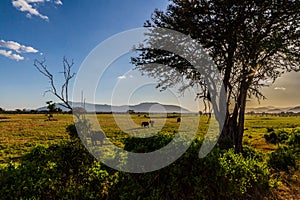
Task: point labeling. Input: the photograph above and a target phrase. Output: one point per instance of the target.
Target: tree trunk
(229, 130)
(241, 121)
(233, 129)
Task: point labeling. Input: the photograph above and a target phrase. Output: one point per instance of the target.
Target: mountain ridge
(273, 109)
(156, 107)
(144, 107)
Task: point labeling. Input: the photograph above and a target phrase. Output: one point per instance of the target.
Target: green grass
(256, 126)
(21, 132)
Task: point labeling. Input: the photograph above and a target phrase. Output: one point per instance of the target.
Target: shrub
(141, 145)
(68, 171)
(294, 139)
(271, 138)
(282, 159)
(61, 171)
(270, 129)
(220, 175)
(282, 136)
(247, 178)
(251, 153)
(277, 137)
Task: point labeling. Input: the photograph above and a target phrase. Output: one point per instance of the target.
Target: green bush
(270, 129)
(61, 171)
(142, 145)
(282, 159)
(276, 137)
(68, 171)
(220, 175)
(251, 153)
(294, 139)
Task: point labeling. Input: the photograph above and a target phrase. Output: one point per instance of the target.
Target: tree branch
(63, 95)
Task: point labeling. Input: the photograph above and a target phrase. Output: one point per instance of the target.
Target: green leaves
(60, 171)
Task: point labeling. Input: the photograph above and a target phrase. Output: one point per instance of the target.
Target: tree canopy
(249, 41)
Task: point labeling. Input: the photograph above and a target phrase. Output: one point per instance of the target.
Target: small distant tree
(51, 109)
(18, 111)
(59, 110)
(130, 111)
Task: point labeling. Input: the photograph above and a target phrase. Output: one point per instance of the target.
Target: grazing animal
(152, 123)
(178, 119)
(145, 124)
(97, 136)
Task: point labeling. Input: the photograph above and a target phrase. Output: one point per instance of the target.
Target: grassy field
(256, 126)
(21, 132)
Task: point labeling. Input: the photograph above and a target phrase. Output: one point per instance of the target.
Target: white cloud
(5, 53)
(17, 57)
(10, 46)
(121, 77)
(124, 77)
(30, 6)
(17, 47)
(25, 6)
(34, 1)
(280, 88)
(58, 2)
(11, 55)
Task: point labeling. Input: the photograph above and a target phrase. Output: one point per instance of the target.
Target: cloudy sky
(52, 29)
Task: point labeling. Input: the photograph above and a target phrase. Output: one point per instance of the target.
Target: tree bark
(233, 129)
(241, 121)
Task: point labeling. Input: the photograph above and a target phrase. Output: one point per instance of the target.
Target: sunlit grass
(20, 132)
(256, 127)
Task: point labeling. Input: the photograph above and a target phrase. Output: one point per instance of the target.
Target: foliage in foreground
(220, 175)
(67, 171)
(284, 157)
(63, 171)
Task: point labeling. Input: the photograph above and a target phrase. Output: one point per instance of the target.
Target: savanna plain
(30, 144)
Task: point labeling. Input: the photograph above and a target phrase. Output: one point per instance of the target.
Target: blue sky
(62, 28)
(52, 29)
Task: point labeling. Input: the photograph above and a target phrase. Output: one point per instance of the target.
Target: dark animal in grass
(145, 124)
(97, 136)
(178, 119)
(152, 123)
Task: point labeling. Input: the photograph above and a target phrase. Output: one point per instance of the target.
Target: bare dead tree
(63, 94)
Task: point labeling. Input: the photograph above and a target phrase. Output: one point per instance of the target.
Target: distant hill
(295, 109)
(272, 109)
(152, 107)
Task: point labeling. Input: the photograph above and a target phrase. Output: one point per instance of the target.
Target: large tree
(249, 41)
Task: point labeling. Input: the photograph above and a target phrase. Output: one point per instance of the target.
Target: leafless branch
(68, 75)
